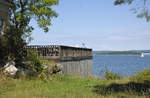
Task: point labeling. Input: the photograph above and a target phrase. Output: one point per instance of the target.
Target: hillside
(134, 52)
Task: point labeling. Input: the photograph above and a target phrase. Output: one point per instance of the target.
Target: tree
(20, 15)
(141, 7)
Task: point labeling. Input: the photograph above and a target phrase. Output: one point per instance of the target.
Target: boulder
(57, 68)
(10, 68)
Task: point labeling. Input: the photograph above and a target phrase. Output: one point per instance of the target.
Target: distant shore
(116, 53)
(129, 52)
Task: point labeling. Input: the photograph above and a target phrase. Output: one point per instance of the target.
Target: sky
(97, 23)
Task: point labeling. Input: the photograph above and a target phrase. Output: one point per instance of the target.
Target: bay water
(122, 64)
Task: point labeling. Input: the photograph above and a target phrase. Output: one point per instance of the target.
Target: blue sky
(97, 23)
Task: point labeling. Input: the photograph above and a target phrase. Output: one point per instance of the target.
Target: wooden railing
(61, 52)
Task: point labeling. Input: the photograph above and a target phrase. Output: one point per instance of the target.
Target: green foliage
(141, 76)
(109, 75)
(123, 1)
(41, 68)
(127, 76)
(63, 87)
(34, 60)
(18, 29)
(15, 46)
(141, 8)
(24, 10)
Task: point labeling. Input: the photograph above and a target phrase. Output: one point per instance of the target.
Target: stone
(10, 68)
(57, 68)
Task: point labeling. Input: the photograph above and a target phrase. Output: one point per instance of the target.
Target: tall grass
(58, 86)
(109, 75)
(62, 87)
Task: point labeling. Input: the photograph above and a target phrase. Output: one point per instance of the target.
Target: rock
(10, 68)
(57, 68)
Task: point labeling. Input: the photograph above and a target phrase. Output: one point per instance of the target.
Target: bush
(109, 75)
(41, 68)
(141, 76)
(34, 60)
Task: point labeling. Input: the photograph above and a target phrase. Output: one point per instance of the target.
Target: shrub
(34, 60)
(41, 68)
(109, 75)
(141, 76)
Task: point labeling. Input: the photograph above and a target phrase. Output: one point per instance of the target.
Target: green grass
(67, 87)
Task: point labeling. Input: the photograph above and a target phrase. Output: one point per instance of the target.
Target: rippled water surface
(122, 64)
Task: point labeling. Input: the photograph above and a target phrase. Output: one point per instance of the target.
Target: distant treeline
(117, 52)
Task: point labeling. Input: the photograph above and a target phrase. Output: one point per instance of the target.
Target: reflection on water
(122, 64)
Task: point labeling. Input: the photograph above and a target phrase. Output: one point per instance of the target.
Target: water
(122, 64)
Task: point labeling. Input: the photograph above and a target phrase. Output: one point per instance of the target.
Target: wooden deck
(62, 53)
(74, 61)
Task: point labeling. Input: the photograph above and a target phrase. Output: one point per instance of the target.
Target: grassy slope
(60, 87)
